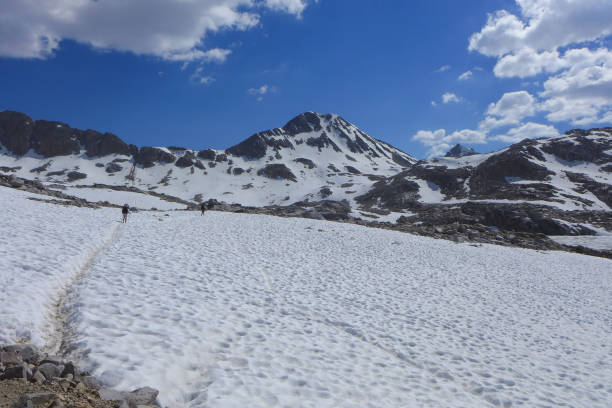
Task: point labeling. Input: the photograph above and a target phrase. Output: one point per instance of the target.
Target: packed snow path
(237, 310)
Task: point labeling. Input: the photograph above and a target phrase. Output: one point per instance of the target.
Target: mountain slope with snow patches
(314, 156)
(230, 310)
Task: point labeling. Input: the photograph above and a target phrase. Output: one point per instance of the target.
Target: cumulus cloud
(443, 68)
(543, 25)
(466, 75)
(510, 109)
(449, 97)
(578, 88)
(552, 39)
(528, 130)
(172, 30)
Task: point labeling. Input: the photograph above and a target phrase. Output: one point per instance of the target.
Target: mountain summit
(460, 151)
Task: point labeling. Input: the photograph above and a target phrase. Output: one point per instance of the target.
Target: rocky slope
(554, 186)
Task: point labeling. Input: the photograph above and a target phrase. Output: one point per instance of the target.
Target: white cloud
(527, 62)
(443, 68)
(434, 103)
(262, 90)
(529, 130)
(578, 88)
(544, 25)
(212, 55)
(466, 75)
(173, 30)
(449, 97)
(510, 109)
(290, 6)
(199, 77)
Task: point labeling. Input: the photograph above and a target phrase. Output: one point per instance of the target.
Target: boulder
(49, 370)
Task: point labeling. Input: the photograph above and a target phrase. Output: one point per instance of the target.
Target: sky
(422, 75)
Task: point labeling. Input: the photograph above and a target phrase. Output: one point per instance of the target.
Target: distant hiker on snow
(125, 210)
(203, 208)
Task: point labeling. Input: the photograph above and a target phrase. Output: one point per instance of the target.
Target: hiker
(203, 208)
(125, 210)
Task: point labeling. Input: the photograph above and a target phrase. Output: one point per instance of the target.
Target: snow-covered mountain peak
(317, 133)
(459, 151)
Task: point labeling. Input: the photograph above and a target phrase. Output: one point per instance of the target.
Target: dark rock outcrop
(187, 160)
(515, 162)
(322, 142)
(306, 162)
(306, 122)
(54, 139)
(75, 175)
(459, 151)
(277, 171)
(98, 144)
(207, 154)
(113, 168)
(16, 132)
(148, 156)
(582, 148)
(254, 147)
(395, 193)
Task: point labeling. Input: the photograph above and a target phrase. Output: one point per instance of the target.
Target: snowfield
(239, 310)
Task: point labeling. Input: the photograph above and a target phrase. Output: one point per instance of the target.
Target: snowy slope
(44, 248)
(235, 310)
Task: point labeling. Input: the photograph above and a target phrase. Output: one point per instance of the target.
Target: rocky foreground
(31, 379)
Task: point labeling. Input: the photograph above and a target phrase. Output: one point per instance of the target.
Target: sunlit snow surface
(238, 310)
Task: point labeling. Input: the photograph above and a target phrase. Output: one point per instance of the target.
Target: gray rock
(9, 358)
(36, 399)
(38, 377)
(142, 396)
(15, 181)
(17, 372)
(91, 382)
(49, 370)
(69, 369)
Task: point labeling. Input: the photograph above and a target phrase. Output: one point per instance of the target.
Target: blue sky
(421, 75)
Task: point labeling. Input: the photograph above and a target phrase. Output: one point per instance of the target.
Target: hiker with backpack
(125, 210)
(203, 208)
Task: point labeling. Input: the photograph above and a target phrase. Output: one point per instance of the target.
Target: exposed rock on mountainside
(459, 151)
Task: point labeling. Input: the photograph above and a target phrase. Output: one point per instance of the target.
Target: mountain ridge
(320, 165)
